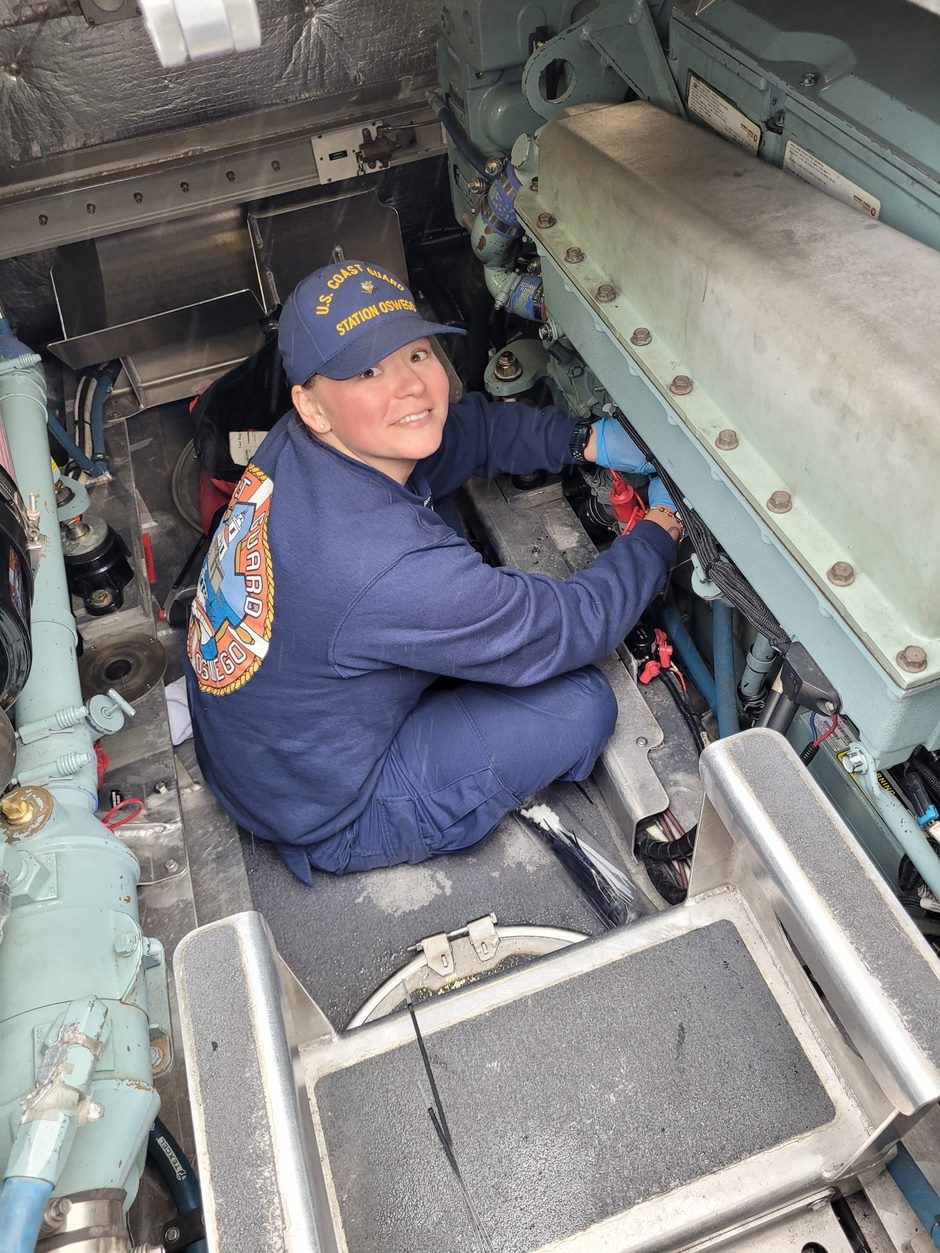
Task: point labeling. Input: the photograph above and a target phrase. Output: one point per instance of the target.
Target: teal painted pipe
(72, 949)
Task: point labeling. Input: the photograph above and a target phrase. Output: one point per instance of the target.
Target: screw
(780, 502)
(89, 208)
(912, 658)
(171, 865)
(172, 1234)
(138, 197)
(101, 598)
(43, 219)
(493, 166)
(161, 786)
(605, 293)
(809, 79)
(641, 741)
(727, 440)
(545, 220)
(17, 811)
(641, 337)
(275, 165)
(828, 707)
(477, 186)
(842, 573)
(57, 1211)
(574, 256)
(184, 186)
(681, 385)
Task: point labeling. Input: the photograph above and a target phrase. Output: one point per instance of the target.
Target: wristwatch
(580, 434)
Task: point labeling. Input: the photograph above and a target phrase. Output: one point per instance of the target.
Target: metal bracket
(437, 952)
(439, 955)
(484, 937)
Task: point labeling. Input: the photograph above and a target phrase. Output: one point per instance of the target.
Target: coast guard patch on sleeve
(230, 623)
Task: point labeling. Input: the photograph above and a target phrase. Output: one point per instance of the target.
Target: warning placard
(722, 116)
(811, 170)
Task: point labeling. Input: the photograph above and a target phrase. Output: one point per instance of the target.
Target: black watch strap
(580, 434)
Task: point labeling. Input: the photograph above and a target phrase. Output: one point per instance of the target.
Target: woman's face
(389, 417)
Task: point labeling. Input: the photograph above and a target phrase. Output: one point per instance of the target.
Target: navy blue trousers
(463, 758)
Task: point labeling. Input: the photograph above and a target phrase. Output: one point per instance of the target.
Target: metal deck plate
(635, 1079)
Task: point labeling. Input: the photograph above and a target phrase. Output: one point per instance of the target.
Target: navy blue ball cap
(344, 318)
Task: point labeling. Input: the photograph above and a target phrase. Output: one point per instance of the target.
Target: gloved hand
(659, 496)
(617, 451)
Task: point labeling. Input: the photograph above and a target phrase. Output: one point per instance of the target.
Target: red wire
(825, 735)
(129, 800)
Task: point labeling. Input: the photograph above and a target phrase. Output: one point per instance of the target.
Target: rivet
(641, 337)
(641, 741)
(89, 208)
(275, 165)
(605, 293)
(912, 658)
(545, 220)
(780, 502)
(138, 197)
(43, 219)
(574, 256)
(842, 573)
(184, 186)
(681, 385)
(726, 440)
(230, 175)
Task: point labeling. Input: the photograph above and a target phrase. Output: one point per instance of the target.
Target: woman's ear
(308, 408)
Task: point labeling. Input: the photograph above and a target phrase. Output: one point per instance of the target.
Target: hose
(918, 1193)
(689, 655)
(723, 660)
(467, 149)
(178, 1175)
(102, 391)
(61, 436)
(22, 1205)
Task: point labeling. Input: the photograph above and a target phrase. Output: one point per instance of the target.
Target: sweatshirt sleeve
(442, 610)
(485, 437)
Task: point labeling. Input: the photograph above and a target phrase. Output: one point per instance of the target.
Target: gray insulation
(65, 85)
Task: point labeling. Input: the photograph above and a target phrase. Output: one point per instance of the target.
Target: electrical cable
(689, 717)
(716, 566)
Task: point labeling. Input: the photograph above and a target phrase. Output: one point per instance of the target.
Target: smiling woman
(313, 658)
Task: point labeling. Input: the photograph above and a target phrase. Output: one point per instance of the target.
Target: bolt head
(17, 811)
(574, 256)
(641, 741)
(546, 220)
(605, 293)
(913, 659)
(726, 440)
(809, 79)
(171, 865)
(101, 597)
(641, 337)
(493, 166)
(780, 502)
(841, 574)
(172, 1234)
(477, 186)
(681, 385)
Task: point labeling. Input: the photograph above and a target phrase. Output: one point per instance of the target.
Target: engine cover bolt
(641, 337)
(681, 385)
(508, 367)
(605, 293)
(841, 574)
(477, 186)
(16, 811)
(809, 79)
(726, 440)
(493, 166)
(913, 659)
(574, 256)
(780, 502)
(545, 220)
(171, 865)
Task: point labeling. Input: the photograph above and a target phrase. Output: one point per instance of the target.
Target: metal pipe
(918, 1193)
(859, 762)
(723, 661)
(74, 965)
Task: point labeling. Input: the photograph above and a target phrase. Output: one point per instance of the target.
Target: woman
(337, 590)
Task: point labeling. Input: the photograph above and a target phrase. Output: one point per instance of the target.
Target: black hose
(689, 717)
(178, 1175)
(929, 777)
(651, 849)
(671, 893)
(467, 149)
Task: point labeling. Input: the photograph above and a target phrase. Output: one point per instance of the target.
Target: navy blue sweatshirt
(332, 597)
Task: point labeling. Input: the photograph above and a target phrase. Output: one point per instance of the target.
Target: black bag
(250, 397)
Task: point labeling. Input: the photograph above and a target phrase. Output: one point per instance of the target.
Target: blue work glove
(617, 451)
(659, 496)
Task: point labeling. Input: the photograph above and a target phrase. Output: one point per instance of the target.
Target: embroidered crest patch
(230, 624)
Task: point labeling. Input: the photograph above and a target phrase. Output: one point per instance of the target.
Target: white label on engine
(811, 170)
(722, 116)
(242, 445)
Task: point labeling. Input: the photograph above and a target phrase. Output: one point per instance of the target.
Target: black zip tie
(427, 1069)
